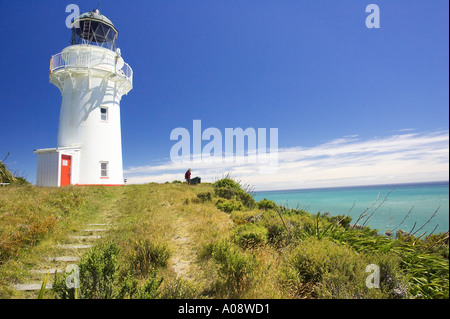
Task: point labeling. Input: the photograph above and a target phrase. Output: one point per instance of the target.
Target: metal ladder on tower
(86, 32)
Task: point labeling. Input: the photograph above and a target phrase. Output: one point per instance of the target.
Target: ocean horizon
(412, 207)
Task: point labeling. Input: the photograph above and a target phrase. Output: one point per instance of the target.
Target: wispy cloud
(347, 161)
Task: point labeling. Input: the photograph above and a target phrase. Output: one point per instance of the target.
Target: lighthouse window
(103, 169)
(103, 114)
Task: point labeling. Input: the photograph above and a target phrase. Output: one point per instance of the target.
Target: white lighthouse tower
(92, 77)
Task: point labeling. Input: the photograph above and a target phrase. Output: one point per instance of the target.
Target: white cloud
(347, 161)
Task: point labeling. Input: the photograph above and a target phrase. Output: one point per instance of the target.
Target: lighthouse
(92, 77)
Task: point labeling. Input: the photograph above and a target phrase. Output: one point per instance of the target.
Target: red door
(66, 164)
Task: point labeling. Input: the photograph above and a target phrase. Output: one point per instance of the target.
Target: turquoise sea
(421, 200)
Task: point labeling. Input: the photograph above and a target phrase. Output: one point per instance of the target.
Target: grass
(210, 241)
(27, 214)
(24, 242)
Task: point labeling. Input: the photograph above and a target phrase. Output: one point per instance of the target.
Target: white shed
(57, 166)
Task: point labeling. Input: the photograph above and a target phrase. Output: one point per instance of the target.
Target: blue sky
(352, 105)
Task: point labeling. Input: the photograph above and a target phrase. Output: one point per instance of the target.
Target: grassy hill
(205, 241)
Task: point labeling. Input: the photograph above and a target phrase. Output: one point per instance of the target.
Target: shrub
(317, 263)
(246, 199)
(250, 235)
(129, 287)
(205, 197)
(429, 273)
(332, 270)
(230, 193)
(235, 266)
(148, 255)
(5, 175)
(229, 206)
(229, 189)
(344, 221)
(243, 217)
(286, 229)
(227, 182)
(277, 234)
(151, 288)
(21, 181)
(438, 243)
(225, 192)
(180, 288)
(266, 204)
(393, 282)
(101, 278)
(98, 274)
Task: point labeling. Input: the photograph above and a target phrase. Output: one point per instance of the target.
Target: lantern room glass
(94, 32)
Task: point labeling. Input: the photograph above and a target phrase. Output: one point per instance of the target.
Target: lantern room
(95, 29)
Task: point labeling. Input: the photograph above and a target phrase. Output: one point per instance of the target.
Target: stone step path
(98, 224)
(64, 259)
(86, 237)
(45, 271)
(31, 287)
(74, 246)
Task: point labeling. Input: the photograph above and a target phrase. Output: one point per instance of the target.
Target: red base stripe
(99, 184)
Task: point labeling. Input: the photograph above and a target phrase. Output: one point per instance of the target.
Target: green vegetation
(5, 174)
(209, 241)
(101, 277)
(235, 268)
(27, 214)
(7, 177)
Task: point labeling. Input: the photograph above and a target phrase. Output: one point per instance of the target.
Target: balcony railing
(90, 60)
